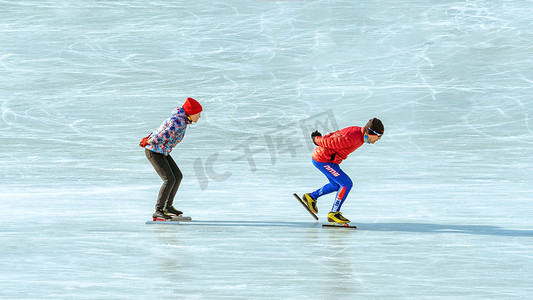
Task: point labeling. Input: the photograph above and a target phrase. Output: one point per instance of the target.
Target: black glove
(314, 135)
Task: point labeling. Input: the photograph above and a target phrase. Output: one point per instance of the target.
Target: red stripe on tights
(341, 193)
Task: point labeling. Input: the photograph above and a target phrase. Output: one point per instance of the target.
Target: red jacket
(336, 146)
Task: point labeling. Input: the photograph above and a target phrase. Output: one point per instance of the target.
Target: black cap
(375, 126)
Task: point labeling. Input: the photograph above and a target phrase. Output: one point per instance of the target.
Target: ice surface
(442, 202)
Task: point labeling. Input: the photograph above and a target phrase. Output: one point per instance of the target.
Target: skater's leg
(329, 188)
(178, 176)
(345, 183)
(164, 170)
(326, 189)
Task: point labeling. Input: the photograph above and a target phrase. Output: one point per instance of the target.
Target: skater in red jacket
(331, 150)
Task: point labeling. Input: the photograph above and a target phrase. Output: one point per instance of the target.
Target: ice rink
(443, 202)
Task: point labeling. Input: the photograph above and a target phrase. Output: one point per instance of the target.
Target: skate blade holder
(174, 218)
(339, 224)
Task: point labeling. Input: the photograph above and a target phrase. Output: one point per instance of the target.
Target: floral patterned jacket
(169, 134)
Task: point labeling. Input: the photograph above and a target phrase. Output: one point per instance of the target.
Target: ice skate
(177, 215)
(338, 218)
(160, 215)
(303, 203)
(311, 203)
(172, 211)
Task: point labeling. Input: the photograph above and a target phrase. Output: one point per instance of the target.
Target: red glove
(144, 142)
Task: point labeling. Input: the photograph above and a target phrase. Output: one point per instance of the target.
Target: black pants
(167, 169)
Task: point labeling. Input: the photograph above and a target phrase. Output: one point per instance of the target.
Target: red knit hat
(192, 106)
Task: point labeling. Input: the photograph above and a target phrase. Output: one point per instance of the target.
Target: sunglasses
(375, 133)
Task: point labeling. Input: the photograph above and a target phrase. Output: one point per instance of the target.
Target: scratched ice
(442, 202)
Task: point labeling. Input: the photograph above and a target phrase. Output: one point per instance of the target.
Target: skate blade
(181, 218)
(337, 225)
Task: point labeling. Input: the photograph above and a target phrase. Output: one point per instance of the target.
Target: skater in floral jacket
(158, 146)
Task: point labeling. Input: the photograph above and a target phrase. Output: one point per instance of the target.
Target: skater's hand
(314, 135)
(144, 142)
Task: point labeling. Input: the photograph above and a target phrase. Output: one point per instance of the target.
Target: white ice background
(442, 202)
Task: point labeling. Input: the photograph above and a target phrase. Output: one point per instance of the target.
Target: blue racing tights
(338, 182)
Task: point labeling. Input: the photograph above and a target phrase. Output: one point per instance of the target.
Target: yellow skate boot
(336, 217)
(311, 203)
